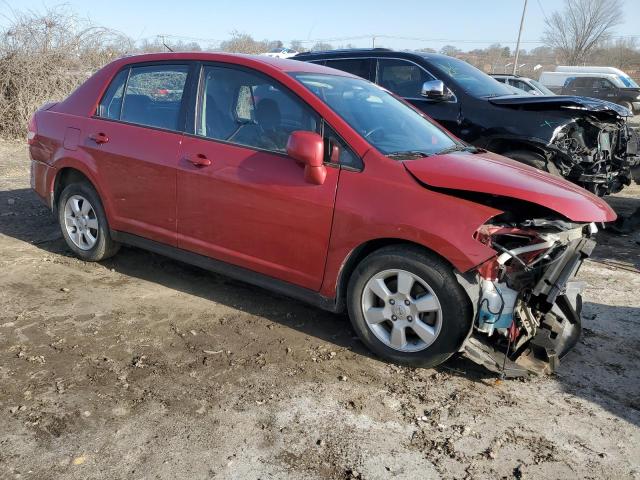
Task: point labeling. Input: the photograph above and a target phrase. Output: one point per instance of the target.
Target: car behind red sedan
(325, 187)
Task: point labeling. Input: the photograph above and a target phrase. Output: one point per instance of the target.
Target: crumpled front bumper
(557, 296)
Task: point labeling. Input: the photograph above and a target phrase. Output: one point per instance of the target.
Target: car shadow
(601, 369)
(24, 217)
(619, 244)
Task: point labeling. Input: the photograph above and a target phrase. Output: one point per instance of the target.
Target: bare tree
(581, 26)
(623, 52)
(44, 56)
(321, 46)
(297, 46)
(450, 50)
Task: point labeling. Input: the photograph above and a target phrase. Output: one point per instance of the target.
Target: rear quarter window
(111, 102)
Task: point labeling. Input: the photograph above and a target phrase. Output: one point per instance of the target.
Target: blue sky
(466, 24)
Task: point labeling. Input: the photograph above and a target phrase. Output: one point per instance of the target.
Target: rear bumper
(42, 176)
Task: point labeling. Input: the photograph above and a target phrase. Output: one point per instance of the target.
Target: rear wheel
(407, 306)
(534, 160)
(84, 224)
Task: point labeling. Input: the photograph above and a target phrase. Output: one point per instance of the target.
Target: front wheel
(407, 306)
(84, 224)
(534, 160)
(628, 105)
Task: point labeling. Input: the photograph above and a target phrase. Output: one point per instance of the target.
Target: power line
(544, 14)
(376, 37)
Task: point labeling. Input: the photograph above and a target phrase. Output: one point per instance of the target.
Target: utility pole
(515, 63)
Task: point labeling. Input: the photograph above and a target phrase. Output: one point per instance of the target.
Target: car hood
(496, 175)
(539, 102)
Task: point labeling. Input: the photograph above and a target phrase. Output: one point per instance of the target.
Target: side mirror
(307, 148)
(434, 90)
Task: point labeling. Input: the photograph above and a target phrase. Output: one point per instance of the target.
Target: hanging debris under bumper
(528, 302)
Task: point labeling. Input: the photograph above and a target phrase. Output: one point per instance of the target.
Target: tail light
(32, 130)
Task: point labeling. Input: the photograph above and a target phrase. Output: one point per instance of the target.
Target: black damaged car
(585, 140)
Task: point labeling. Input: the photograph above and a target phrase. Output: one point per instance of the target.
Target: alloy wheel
(401, 310)
(81, 222)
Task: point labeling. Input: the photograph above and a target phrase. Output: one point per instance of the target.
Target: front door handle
(200, 160)
(99, 138)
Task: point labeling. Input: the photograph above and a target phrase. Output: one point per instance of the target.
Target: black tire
(628, 105)
(456, 310)
(534, 160)
(104, 246)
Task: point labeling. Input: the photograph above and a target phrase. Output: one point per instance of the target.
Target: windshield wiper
(461, 148)
(407, 155)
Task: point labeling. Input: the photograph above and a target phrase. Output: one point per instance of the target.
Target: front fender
(388, 204)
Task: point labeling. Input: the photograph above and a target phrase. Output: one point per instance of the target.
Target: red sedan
(325, 187)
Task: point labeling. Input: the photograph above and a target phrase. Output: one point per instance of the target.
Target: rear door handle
(200, 160)
(99, 138)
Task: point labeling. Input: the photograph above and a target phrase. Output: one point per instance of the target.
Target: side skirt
(229, 270)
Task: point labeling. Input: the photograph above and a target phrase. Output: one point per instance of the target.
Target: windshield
(541, 87)
(627, 81)
(469, 78)
(388, 124)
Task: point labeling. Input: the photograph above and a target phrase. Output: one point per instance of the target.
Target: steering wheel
(372, 131)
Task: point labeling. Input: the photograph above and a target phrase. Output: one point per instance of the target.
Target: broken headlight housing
(528, 302)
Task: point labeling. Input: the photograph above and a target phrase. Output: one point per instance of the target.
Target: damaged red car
(327, 188)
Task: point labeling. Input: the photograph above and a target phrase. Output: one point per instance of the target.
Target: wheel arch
(504, 144)
(69, 171)
(64, 177)
(359, 253)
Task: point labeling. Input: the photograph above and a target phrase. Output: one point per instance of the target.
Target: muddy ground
(143, 367)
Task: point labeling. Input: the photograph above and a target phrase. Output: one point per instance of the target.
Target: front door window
(248, 109)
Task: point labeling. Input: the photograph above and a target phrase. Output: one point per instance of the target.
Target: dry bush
(43, 57)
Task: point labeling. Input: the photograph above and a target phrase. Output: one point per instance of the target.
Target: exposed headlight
(638, 97)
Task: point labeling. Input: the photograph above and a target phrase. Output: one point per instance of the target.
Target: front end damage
(599, 155)
(527, 300)
(585, 140)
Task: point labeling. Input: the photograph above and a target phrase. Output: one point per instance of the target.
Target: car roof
(367, 52)
(256, 61)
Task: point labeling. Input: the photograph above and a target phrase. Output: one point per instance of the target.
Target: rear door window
(153, 95)
(360, 67)
(402, 77)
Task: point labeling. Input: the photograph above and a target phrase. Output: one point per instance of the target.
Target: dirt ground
(142, 367)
